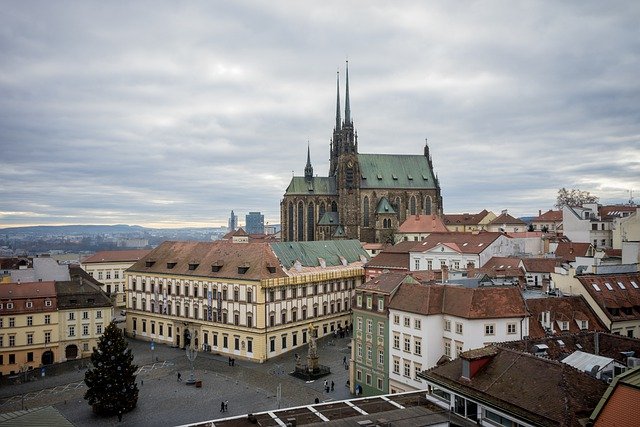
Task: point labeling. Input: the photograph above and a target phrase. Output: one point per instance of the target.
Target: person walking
(222, 406)
(332, 384)
(226, 406)
(179, 377)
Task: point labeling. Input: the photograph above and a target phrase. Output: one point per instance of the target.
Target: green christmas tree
(111, 382)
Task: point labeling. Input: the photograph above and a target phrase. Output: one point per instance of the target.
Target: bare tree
(574, 197)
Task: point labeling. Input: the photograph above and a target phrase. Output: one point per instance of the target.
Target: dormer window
(379, 177)
(193, 266)
(29, 304)
(149, 263)
(394, 177)
(242, 269)
(271, 269)
(410, 178)
(47, 303)
(170, 265)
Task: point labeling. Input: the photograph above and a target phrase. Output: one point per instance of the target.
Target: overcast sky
(173, 114)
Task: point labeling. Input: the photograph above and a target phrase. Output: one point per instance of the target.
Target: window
(72, 331)
(47, 303)
(407, 322)
(381, 357)
(359, 300)
(369, 326)
(249, 295)
(284, 341)
(396, 366)
(429, 264)
(511, 328)
(29, 320)
(416, 370)
(407, 369)
(272, 344)
(99, 329)
(85, 329)
(407, 344)
(369, 302)
(380, 328)
(416, 264)
(381, 304)
(12, 321)
(458, 328)
(225, 341)
(368, 380)
(99, 275)
(380, 384)
(417, 324)
(29, 304)
(359, 324)
(108, 275)
(116, 274)
(489, 329)
(99, 314)
(236, 343)
(584, 324)
(396, 341)
(359, 350)
(85, 314)
(447, 348)
(30, 356)
(47, 319)
(458, 349)
(447, 325)
(418, 346)
(72, 316)
(47, 337)
(1, 340)
(369, 355)
(396, 319)
(249, 345)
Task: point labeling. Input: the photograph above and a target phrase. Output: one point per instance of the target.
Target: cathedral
(365, 196)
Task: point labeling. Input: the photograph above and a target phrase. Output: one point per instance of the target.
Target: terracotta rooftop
(549, 216)
(510, 265)
(390, 261)
(618, 295)
(385, 283)
(545, 392)
(540, 265)
(568, 251)
(465, 218)
(469, 243)
(471, 303)
(616, 211)
(505, 218)
(570, 309)
(26, 290)
(116, 256)
(423, 224)
(560, 346)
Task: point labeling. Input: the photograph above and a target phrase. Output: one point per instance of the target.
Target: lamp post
(191, 356)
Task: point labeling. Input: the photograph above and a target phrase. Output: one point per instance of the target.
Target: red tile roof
(116, 256)
(389, 260)
(27, 290)
(469, 243)
(465, 218)
(540, 265)
(572, 309)
(505, 218)
(542, 391)
(231, 258)
(470, 303)
(549, 216)
(423, 224)
(568, 251)
(385, 283)
(617, 294)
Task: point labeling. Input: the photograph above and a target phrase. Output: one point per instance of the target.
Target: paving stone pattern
(165, 401)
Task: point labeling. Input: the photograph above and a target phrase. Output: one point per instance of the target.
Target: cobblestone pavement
(163, 401)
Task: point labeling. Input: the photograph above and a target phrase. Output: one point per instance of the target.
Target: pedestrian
(233, 362)
(229, 360)
(119, 415)
(332, 384)
(226, 406)
(222, 406)
(317, 400)
(179, 377)
(344, 360)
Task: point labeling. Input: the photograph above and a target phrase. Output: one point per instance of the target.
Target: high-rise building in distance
(254, 223)
(233, 222)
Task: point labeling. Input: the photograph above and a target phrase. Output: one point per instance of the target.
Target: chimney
(471, 270)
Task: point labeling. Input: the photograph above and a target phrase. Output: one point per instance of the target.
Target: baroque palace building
(248, 300)
(365, 196)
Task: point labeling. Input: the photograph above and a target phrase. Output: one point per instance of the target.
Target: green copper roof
(317, 185)
(308, 253)
(384, 207)
(339, 232)
(329, 218)
(395, 171)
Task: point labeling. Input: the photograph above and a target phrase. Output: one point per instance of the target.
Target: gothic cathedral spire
(347, 106)
(308, 170)
(338, 101)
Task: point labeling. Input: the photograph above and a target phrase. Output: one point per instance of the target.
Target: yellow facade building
(247, 300)
(108, 268)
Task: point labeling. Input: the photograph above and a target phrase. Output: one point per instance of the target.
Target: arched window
(321, 211)
(412, 205)
(300, 222)
(290, 219)
(310, 223)
(427, 205)
(334, 207)
(365, 211)
(398, 206)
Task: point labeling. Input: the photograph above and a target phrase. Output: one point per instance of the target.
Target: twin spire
(347, 105)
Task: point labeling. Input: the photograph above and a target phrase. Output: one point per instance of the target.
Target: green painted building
(369, 370)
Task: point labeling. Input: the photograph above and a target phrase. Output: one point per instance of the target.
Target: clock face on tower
(349, 164)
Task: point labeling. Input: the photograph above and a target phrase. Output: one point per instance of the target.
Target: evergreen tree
(111, 381)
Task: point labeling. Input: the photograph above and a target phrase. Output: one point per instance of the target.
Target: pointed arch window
(300, 222)
(334, 207)
(290, 222)
(412, 206)
(310, 222)
(398, 206)
(427, 205)
(365, 211)
(321, 211)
